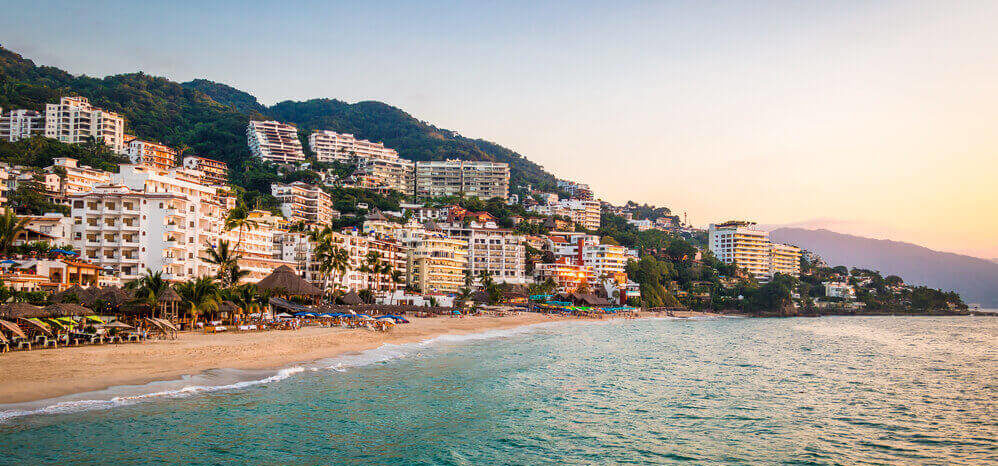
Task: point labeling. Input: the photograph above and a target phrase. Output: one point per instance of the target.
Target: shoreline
(34, 376)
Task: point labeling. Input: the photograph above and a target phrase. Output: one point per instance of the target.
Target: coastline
(32, 376)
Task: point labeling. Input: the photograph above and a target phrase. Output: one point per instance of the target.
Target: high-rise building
(741, 244)
(21, 124)
(79, 178)
(73, 120)
(150, 154)
(148, 219)
(330, 146)
(386, 174)
(213, 172)
(567, 275)
(255, 246)
(436, 263)
(303, 202)
(274, 141)
(496, 251)
(483, 180)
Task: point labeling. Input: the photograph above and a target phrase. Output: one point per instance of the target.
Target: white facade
(483, 180)
(79, 178)
(330, 146)
(496, 251)
(21, 124)
(302, 202)
(748, 248)
(147, 219)
(606, 260)
(839, 290)
(583, 213)
(73, 120)
(274, 141)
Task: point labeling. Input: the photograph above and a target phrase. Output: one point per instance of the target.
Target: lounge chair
(22, 343)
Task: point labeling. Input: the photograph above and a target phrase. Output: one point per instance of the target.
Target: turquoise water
(839, 390)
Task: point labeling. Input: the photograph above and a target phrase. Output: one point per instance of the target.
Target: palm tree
(200, 295)
(329, 256)
(247, 297)
(227, 261)
(148, 287)
(10, 227)
(238, 218)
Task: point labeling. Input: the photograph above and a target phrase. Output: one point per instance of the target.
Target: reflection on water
(844, 390)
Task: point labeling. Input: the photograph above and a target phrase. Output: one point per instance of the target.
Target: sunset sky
(874, 118)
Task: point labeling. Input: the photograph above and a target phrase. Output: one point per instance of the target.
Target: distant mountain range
(975, 279)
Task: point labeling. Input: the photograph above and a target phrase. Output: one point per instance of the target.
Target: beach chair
(22, 343)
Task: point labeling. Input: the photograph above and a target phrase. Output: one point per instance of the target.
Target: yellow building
(436, 263)
(748, 248)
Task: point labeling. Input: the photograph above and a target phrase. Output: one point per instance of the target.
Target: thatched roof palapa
(227, 306)
(82, 295)
(67, 309)
(284, 280)
(15, 310)
(351, 298)
(168, 296)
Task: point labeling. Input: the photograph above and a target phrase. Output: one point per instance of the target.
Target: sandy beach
(48, 373)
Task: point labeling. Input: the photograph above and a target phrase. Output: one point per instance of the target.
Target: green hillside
(207, 118)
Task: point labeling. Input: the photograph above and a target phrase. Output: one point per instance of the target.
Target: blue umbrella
(68, 253)
(457, 313)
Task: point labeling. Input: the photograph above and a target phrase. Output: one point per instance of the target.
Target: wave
(233, 379)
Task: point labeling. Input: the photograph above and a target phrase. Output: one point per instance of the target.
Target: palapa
(67, 310)
(351, 298)
(284, 281)
(227, 306)
(168, 296)
(13, 328)
(15, 310)
(82, 295)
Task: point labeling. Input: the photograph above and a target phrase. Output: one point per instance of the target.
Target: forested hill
(210, 118)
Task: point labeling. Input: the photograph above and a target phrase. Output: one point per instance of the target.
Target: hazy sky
(881, 116)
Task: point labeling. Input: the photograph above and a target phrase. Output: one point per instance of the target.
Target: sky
(871, 118)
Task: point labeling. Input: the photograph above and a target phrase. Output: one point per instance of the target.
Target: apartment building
(330, 146)
(274, 141)
(150, 154)
(258, 252)
(496, 251)
(570, 244)
(567, 275)
(303, 202)
(436, 262)
(78, 178)
(388, 254)
(213, 172)
(21, 124)
(740, 243)
(576, 190)
(147, 218)
(52, 228)
(386, 174)
(73, 120)
(483, 180)
(607, 261)
(4, 180)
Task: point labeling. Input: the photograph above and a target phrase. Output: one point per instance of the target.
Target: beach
(49, 373)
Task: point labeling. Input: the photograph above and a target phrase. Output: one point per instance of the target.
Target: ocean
(803, 391)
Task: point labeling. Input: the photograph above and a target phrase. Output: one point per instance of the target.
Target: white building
(151, 154)
(259, 253)
(21, 124)
(302, 202)
(79, 178)
(607, 260)
(330, 146)
(73, 120)
(748, 248)
(480, 179)
(583, 213)
(147, 218)
(496, 251)
(840, 290)
(274, 141)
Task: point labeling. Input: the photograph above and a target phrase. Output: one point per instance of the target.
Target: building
(840, 290)
(148, 219)
(258, 252)
(78, 178)
(386, 174)
(21, 124)
(330, 146)
(73, 120)
(739, 243)
(373, 263)
(213, 172)
(53, 228)
(567, 275)
(149, 153)
(576, 190)
(607, 261)
(570, 244)
(50, 275)
(483, 180)
(498, 252)
(436, 263)
(585, 214)
(274, 141)
(302, 202)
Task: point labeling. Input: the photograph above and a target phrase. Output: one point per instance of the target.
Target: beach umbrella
(13, 328)
(117, 324)
(63, 251)
(95, 319)
(36, 324)
(15, 310)
(283, 315)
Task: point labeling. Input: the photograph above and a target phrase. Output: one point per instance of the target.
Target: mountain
(210, 118)
(975, 279)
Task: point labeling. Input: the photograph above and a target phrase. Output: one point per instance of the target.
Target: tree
(149, 287)
(238, 218)
(10, 227)
(227, 261)
(200, 295)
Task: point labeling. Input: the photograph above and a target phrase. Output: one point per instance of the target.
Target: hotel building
(213, 172)
(386, 174)
(79, 178)
(483, 180)
(567, 275)
(496, 251)
(582, 213)
(330, 146)
(748, 248)
(73, 120)
(274, 141)
(256, 248)
(147, 218)
(436, 262)
(607, 260)
(21, 124)
(304, 202)
(150, 154)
